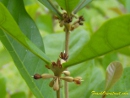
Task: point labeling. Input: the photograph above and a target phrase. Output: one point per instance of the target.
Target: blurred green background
(95, 14)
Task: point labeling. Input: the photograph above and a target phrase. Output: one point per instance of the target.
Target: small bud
(72, 28)
(68, 79)
(64, 56)
(65, 29)
(58, 62)
(64, 15)
(81, 18)
(54, 64)
(51, 83)
(80, 23)
(61, 55)
(37, 76)
(76, 25)
(67, 73)
(56, 85)
(47, 67)
(69, 20)
(78, 80)
(61, 23)
(46, 76)
(55, 17)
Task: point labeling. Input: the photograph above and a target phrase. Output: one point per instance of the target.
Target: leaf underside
(113, 73)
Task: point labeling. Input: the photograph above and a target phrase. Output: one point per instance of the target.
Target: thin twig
(67, 42)
(67, 34)
(58, 92)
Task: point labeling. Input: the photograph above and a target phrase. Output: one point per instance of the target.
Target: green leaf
(4, 57)
(8, 25)
(125, 51)
(122, 86)
(113, 74)
(122, 1)
(90, 72)
(27, 63)
(45, 23)
(106, 39)
(68, 5)
(81, 5)
(2, 87)
(127, 3)
(92, 76)
(18, 95)
(57, 40)
(49, 4)
(108, 58)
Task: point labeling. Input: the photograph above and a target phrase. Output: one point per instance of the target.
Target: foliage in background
(94, 74)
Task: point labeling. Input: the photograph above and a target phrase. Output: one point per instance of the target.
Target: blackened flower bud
(37, 76)
(80, 23)
(54, 64)
(81, 18)
(64, 56)
(59, 62)
(61, 55)
(78, 80)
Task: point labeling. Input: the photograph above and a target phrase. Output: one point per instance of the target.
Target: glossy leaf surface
(6, 23)
(2, 87)
(90, 72)
(106, 39)
(49, 4)
(18, 95)
(57, 40)
(121, 88)
(68, 5)
(81, 5)
(27, 63)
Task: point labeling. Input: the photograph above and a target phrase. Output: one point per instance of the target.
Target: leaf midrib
(22, 67)
(67, 6)
(94, 56)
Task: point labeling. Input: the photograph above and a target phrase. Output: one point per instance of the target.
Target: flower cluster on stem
(58, 70)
